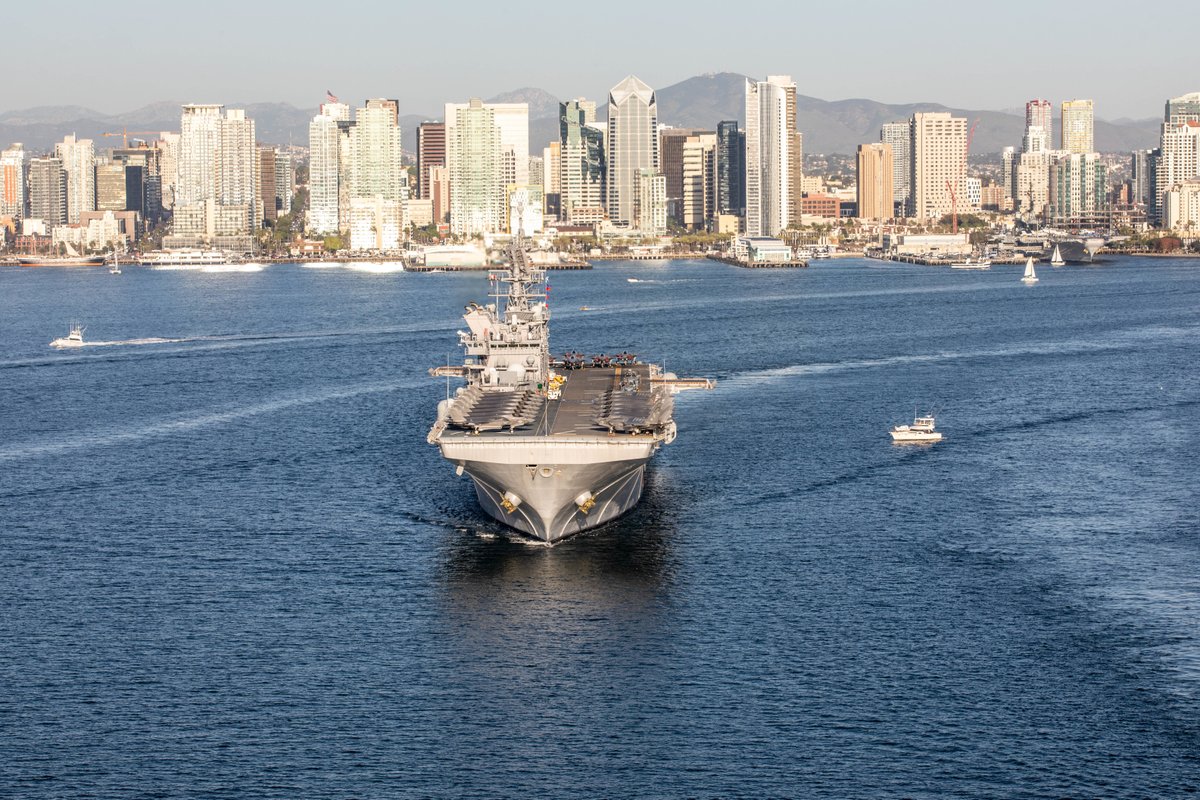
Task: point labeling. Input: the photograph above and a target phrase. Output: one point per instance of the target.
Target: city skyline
(378, 60)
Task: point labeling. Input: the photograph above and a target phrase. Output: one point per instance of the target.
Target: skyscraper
(1141, 170)
(581, 165)
(698, 198)
(12, 182)
(79, 161)
(324, 168)
(898, 136)
(1183, 109)
(650, 210)
(1078, 188)
(285, 181)
(266, 185)
(731, 169)
(875, 172)
(196, 185)
(1179, 149)
(48, 191)
(431, 152)
(236, 208)
(772, 153)
(510, 122)
(670, 164)
(1077, 125)
(1040, 114)
(378, 187)
(939, 162)
(473, 155)
(632, 146)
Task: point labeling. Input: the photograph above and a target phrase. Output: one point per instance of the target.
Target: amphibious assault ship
(554, 446)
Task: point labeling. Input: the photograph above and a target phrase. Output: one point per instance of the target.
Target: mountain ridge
(829, 126)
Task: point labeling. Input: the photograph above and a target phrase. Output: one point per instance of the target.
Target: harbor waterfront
(234, 567)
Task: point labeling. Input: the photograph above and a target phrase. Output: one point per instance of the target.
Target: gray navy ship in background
(554, 446)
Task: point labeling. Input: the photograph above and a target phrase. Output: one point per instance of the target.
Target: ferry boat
(72, 339)
(919, 432)
(972, 263)
(185, 258)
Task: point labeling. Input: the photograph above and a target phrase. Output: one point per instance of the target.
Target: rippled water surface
(231, 566)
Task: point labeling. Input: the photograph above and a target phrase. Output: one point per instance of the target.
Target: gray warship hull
(554, 447)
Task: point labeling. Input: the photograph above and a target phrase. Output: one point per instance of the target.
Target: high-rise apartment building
(1179, 149)
(111, 191)
(650, 210)
(773, 155)
(431, 152)
(196, 184)
(1031, 184)
(1008, 177)
(731, 169)
(1181, 208)
(1142, 164)
(285, 181)
(876, 196)
(1078, 185)
(12, 182)
(670, 164)
(939, 163)
(1040, 114)
(168, 149)
(698, 200)
(552, 179)
(581, 165)
(324, 168)
(377, 179)
(1078, 121)
(474, 154)
(266, 185)
(48, 191)
(236, 208)
(632, 147)
(79, 161)
(508, 124)
(898, 136)
(144, 178)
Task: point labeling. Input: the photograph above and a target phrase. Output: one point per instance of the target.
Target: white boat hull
(915, 437)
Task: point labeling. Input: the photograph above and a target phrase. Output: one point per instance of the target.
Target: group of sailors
(573, 360)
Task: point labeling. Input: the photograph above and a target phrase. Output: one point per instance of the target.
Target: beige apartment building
(939, 161)
(875, 181)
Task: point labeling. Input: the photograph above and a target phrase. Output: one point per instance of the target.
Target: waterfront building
(1179, 149)
(473, 154)
(268, 212)
(48, 192)
(938, 162)
(1077, 126)
(508, 125)
(324, 168)
(581, 163)
(111, 191)
(698, 200)
(632, 148)
(898, 136)
(1078, 188)
(236, 208)
(670, 163)
(431, 152)
(650, 211)
(1031, 190)
(378, 182)
(1141, 170)
(12, 182)
(195, 189)
(1181, 208)
(731, 169)
(773, 157)
(143, 166)
(79, 161)
(875, 195)
(285, 181)
(439, 194)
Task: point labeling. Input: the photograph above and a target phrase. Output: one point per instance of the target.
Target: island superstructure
(554, 446)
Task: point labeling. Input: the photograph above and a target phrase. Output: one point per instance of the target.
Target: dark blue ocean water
(230, 565)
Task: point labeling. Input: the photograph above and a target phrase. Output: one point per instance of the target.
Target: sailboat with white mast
(1030, 277)
(1056, 260)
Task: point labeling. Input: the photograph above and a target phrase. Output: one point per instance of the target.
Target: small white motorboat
(72, 339)
(919, 432)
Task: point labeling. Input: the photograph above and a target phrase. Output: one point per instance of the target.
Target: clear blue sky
(964, 54)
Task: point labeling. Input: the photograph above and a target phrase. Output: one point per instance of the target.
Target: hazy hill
(836, 126)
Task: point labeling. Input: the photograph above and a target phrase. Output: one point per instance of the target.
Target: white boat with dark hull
(554, 446)
(921, 431)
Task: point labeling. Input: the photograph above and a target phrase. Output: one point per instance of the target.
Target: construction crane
(124, 134)
(954, 189)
